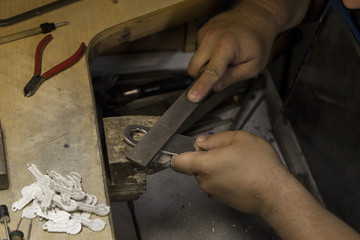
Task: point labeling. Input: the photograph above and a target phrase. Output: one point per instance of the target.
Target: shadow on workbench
(174, 207)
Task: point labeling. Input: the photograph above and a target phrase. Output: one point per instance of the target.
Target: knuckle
(226, 41)
(229, 78)
(254, 68)
(206, 33)
(243, 135)
(211, 72)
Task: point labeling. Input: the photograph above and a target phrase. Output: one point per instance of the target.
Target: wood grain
(57, 128)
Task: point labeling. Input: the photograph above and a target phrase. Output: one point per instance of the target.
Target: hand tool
(4, 184)
(19, 223)
(4, 218)
(161, 132)
(177, 144)
(38, 78)
(34, 12)
(16, 235)
(19, 235)
(43, 28)
(180, 114)
(29, 230)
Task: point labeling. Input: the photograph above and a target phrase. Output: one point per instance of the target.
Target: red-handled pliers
(38, 78)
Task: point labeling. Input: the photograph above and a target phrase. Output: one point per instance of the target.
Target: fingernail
(192, 96)
(202, 138)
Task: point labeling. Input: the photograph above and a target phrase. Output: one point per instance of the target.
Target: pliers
(38, 78)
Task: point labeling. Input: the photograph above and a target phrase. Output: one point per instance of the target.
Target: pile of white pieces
(60, 201)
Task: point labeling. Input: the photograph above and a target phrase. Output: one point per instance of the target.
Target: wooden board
(57, 128)
(127, 181)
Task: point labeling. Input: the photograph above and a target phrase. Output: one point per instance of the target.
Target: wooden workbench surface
(56, 129)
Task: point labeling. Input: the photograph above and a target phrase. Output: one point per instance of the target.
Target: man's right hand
(236, 45)
(230, 50)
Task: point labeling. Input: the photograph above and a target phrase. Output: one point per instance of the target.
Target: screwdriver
(4, 218)
(16, 235)
(43, 28)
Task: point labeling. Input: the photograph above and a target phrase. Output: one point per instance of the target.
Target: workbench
(57, 128)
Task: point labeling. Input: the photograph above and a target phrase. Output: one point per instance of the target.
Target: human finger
(221, 139)
(211, 74)
(187, 163)
(237, 73)
(198, 61)
(352, 4)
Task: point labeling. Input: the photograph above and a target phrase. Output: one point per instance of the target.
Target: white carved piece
(70, 227)
(61, 201)
(96, 225)
(28, 194)
(30, 211)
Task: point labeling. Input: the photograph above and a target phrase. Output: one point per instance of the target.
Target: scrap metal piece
(177, 144)
(4, 184)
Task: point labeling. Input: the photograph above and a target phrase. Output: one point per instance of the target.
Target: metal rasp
(4, 184)
(162, 131)
(179, 116)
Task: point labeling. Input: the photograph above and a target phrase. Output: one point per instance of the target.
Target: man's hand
(352, 4)
(236, 45)
(236, 168)
(244, 171)
(230, 49)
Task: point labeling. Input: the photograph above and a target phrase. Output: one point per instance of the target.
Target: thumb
(187, 163)
(208, 142)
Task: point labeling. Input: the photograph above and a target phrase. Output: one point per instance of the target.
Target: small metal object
(4, 184)
(43, 28)
(4, 218)
(176, 145)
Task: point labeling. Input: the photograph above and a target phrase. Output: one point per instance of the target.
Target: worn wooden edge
(127, 180)
(149, 24)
